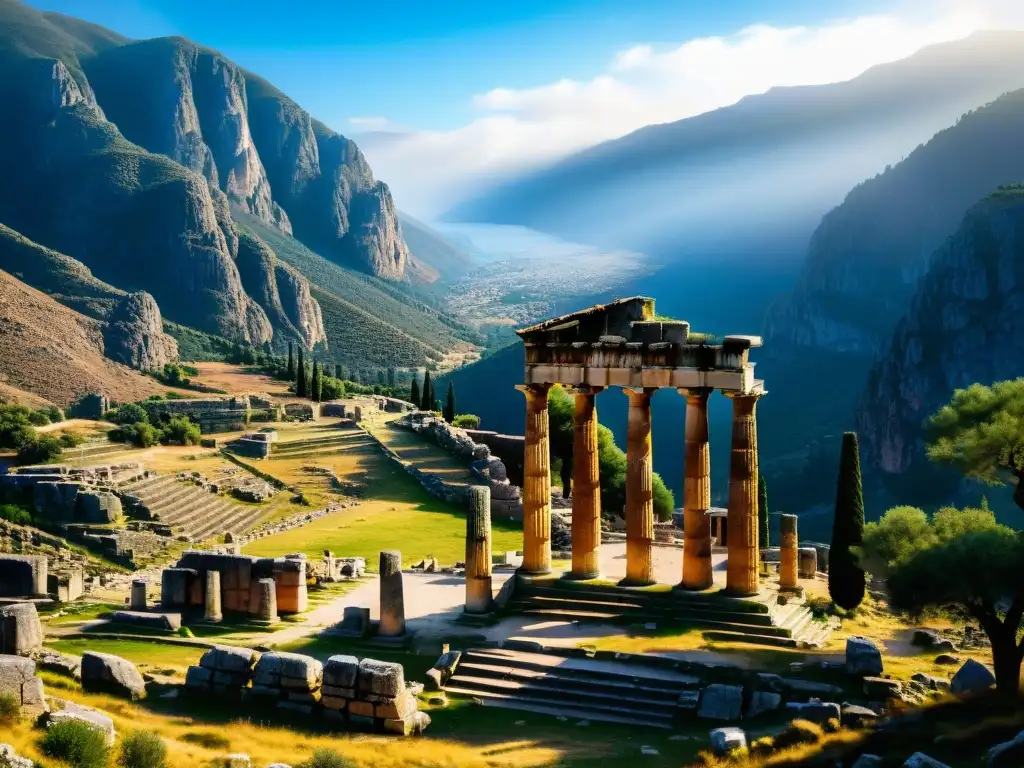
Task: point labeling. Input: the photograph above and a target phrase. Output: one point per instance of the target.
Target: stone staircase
(760, 620)
(334, 443)
(577, 688)
(191, 510)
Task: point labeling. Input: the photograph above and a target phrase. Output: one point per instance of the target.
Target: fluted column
(788, 552)
(697, 573)
(586, 488)
(639, 490)
(536, 482)
(744, 554)
(479, 592)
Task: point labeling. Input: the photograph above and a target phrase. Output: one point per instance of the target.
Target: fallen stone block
(1008, 754)
(91, 717)
(415, 724)
(106, 673)
(18, 680)
(816, 711)
(727, 740)
(167, 622)
(972, 678)
(761, 702)
(856, 716)
(721, 702)
(921, 760)
(863, 657)
(381, 677)
(879, 688)
(225, 658)
(21, 633)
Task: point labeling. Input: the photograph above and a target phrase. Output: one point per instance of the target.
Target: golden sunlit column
(639, 490)
(697, 572)
(586, 488)
(788, 552)
(536, 482)
(742, 534)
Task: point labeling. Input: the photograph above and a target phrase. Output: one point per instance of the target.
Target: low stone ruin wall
(509, 448)
(256, 445)
(298, 410)
(367, 692)
(220, 414)
(23, 576)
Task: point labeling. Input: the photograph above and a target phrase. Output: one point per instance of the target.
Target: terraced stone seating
(190, 509)
(354, 440)
(760, 620)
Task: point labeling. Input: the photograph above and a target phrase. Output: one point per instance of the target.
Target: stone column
(266, 605)
(807, 557)
(744, 553)
(479, 592)
(213, 613)
(788, 553)
(139, 601)
(392, 595)
(639, 490)
(586, 488)
(697, 572)
(536, 482)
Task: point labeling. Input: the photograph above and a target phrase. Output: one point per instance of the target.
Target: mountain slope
(965, 324)
(433, 249)
(54, 352)
(755, 177)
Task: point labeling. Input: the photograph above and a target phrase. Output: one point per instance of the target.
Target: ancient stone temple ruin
(623, 345)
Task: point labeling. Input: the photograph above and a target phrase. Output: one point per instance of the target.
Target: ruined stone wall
(184, 586)
(228, 414)
(509, 448)
(23, 576)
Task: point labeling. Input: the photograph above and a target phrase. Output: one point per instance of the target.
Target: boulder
(18, 680)
(21, 633)
(10, 759)
(106, 673)
(863, 657)
(879, 688)
(921, 760)
(167, 622)
(721, 702)
(856, 716)
(945, 658)
(1008, 754)
(925, 638)
(934, 682)
(58, 663)
(381, 678)
(90, 717)
(761, 702)
(869, 761)
(816, 711)
(973, 677)
(727, 740)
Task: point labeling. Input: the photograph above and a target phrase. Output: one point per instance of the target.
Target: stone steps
(505, 701)
(327, 451)
(318, 442)
(167, 499)
(239, 522)
(647, 612)
(668, 599)
(148, 484)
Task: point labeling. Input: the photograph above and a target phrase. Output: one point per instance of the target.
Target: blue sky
(420, 62)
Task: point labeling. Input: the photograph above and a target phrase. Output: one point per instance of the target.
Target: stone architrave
(586, 488)
(479, 590)
(697, 573)
(392, 595)
(536, 482)
(139, 599)
(213, 613)
(742, 533)
(788, 552)
(266, 605)
(639, 490)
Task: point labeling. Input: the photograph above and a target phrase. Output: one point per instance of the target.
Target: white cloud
(519, 129)
(376, 123)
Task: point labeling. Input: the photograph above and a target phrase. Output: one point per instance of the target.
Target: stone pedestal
(586, 489)
(392, 595)
(213, 613)
(787, 552)
(479, 591)
(639, 490)
(697, 572)
(808, 562)
(266, 606)
(536, 482)
(139, 600)
(742, 571)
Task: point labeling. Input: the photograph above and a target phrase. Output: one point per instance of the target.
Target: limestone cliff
(134, 334)
(965, 324)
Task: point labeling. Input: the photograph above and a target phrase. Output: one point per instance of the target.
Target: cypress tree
(428, 393)
(337, 372)
(391, 377)
(291, 362)
(762, 511)
(845, 577)
(318, 381)
(414, 390)
(381, 378)
(300, 376)
(449, 404)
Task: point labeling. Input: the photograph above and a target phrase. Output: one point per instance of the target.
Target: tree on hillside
(845, 576)
(300, 377)
(981, 433)
(391, 377)
(414, 390)
(427, 403)
(762, 512)
(291, 361)
(979, 573)
(449, 404)
(314, 393)
(561, 416)
(339, 372)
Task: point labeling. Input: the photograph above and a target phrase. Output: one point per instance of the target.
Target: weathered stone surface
(18, 680)
(91, 717)
(814, 710)
(106, 673)
(168, 622)
(341, 671)
(869, 761)
(863, 657)
(21, 632)
(288, 670)
(934, 682)
(401, 707)
(97, 507)
(414, 724)
(973, 677)
(355, 621)
(134, 334)
(727, 740)
(1008, 754)
(238, 760)
(392, 595)
(69, 666)
(721, 702)
(382, 678)
(855, 716)
(921, 760)
(879, 688)
(761, 702)
(10, 759)
(946, 658)
(228, 658)
(434, 681)
(23, 576)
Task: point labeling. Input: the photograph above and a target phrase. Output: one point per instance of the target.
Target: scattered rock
(727, 740)
(58, 663)
(856, 716)
(863, 657)
(945, 658)
(91, 717)
(9, 758)
(934, 682)
(106, 673)
(925, 638)
(239, 760)
(20, 630)
(1009, 754)
(721, 702)
(815, 711)
(882, 688)
(921, 760)
(18, 680)
(869, 761)
(973, 677)
(761, 702)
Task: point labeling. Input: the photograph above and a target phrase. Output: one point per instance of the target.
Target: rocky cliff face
(965, 324)
(134, 335)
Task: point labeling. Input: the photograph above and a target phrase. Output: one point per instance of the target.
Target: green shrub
(129, 413)
(141, 434)
(142, 749)
(42, 450)
(16, 514)
(38, 419)
(77, 744)
(70, 440)
(896, 536)
(467, 421)
(10, 709)
(327, 758)
(180, 431)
